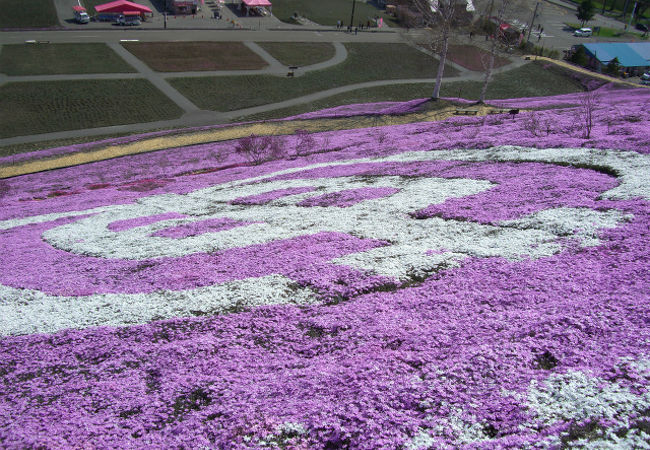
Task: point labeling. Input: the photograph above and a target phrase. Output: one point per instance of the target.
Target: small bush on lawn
(258, 149)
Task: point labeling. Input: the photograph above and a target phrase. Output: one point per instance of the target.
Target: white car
(645, 79)
(584, 32)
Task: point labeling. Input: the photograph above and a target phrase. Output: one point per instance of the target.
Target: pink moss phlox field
(544, 352)
(353, 373)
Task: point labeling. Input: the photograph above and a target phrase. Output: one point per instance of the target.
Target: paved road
(76, 36)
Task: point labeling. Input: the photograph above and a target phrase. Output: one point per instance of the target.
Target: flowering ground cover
(479, 282)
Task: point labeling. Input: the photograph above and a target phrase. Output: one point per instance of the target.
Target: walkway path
(154, 78)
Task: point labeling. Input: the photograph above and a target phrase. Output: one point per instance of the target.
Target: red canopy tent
(122, 7)
(257, 2)
(248, 4)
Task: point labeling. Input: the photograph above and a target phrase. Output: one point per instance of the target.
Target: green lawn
(511, 84)
(470, 57)
(195, 56)
(393, 93)
(616, 7)
(28, 14)
(42, 107)
(15, 149)
(299, 53)
(365, 62)
(51, 59)
(325, 12)
(531, 80)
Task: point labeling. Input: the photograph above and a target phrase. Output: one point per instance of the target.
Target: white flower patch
(465, 431)
(24, 311)
(631, 168)
(578, 397)
(285, 432)
(582, 223)
(280, 219)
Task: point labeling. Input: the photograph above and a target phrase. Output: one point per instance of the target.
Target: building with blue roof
(634, 57)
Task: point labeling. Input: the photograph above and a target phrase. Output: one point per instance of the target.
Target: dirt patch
(195, 56)
(470, 56)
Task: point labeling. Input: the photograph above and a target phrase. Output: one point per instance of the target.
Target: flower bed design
(393, 294)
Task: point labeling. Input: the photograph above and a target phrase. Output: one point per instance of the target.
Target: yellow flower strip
(228, 133)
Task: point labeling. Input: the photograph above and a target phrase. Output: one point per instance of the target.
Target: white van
(128, 20)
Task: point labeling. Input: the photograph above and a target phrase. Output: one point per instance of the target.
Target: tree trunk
(488, 72)
(443, 60)
(493, 51)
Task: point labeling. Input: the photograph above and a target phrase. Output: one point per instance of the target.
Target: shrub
(304, 143)
(258, 149)
(579, 57)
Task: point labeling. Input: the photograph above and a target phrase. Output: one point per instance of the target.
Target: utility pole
(532, 21)
(352, 15)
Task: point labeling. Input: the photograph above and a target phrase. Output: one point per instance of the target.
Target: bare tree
(441, 15)
(305, 142)
(4, 188)
(501, 41)
(588, 104)
(258, 149)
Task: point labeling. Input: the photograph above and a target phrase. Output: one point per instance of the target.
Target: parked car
(128, 20)
(583, 32)
(80, 14)
(645, 79)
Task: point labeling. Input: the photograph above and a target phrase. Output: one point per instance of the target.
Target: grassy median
(42, 107)
(55, 59)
